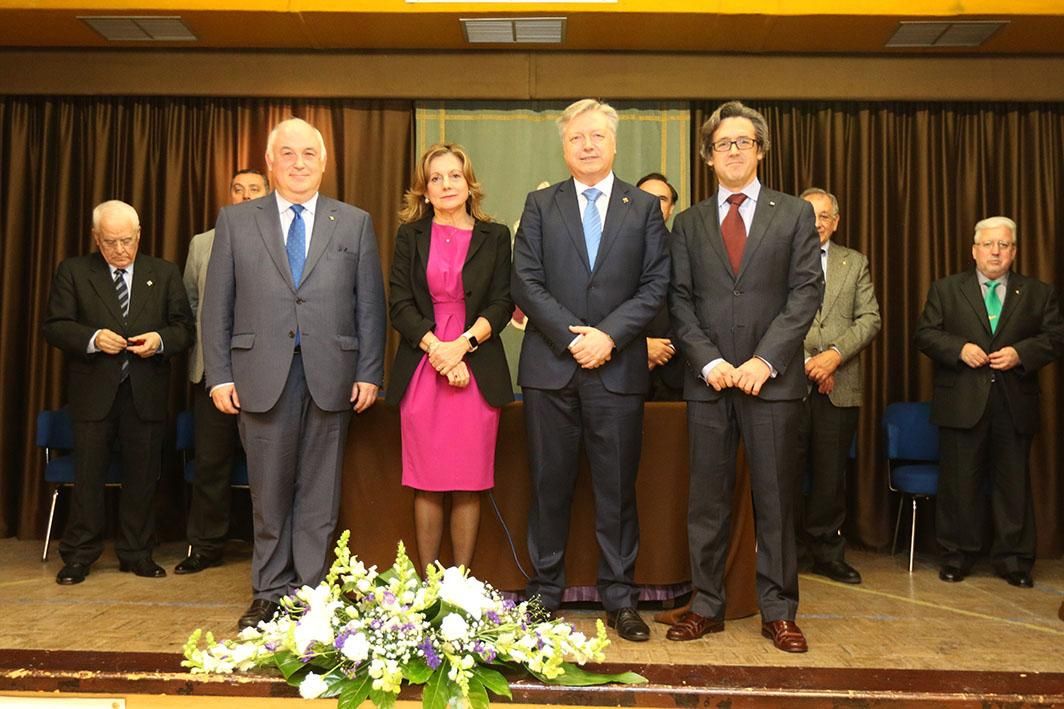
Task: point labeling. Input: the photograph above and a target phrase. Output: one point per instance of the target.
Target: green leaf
(478, 696)
(288, 664)
(439, 690)
(382, 700)
(417, 671)
(355, 691)
(493, 681)
(576, 676)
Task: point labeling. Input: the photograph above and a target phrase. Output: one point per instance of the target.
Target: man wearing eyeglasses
(119, 317)
(746, 283)
(988, 331)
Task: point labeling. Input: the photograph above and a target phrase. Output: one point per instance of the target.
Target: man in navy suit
(988, 330)
(746, 283)
(590, 271)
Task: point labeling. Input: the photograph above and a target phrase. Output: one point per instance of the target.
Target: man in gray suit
(745, 286)
(847, 321)
(215, 434)
(293, 339)
(590, 270)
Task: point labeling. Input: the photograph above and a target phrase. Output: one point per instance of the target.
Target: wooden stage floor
(896, 638)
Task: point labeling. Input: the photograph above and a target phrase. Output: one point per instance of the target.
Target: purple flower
(508, 605)
(389, 598)
(493, 617)
(432, 659)
(271, 645)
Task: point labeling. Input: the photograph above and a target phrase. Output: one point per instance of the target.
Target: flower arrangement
(361, 634)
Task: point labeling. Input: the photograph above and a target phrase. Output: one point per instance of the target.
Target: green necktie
(993, 304)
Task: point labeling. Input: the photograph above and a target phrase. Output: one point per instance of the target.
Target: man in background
(293, 341)
(988, 331)
(846, 322)
(119, 317)
(215, 433)
(666, 369)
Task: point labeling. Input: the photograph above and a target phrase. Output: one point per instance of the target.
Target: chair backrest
(910, 433)
(55, 430)
(185, 440)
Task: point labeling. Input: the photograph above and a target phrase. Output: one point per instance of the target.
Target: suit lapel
(269, 222)
(710, 213)
(480, 235)
(838, 265)
(324, 227)
(1012, 299)
(569, 208)
(764, 213)
(973, 293)
(143, 288)
(423, 240)
(104, 286)
(616, 213)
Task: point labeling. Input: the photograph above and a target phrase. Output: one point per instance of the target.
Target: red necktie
(733, 230)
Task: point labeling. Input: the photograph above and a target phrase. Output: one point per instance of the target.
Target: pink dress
(448, 432)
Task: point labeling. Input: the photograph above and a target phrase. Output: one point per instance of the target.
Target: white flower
(312, 686)
(453, 627)
(356, 648)
(316, 623)
(468, 594)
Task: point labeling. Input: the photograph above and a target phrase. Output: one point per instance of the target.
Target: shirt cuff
(709, 368)
(92, 348)
(223, 384)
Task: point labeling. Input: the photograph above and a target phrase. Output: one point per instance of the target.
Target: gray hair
(824, 193)
(994, 223)
(114, 206)
(583, 106)
(277, 129)
(732, 109)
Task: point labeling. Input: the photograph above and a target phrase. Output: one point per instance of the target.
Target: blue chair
(912, 459)
(55, 435)
(186, 443)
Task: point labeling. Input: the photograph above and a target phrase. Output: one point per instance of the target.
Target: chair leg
(912, 538)
(51, 518)
(897, 524)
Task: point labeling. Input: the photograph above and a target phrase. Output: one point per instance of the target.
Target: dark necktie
(733, 231)
(993, 305)
(123, 303)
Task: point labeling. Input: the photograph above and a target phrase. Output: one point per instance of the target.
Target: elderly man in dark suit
(590, 270)
(746, 282)
(988, 330)
(293, 340)
(119, 317)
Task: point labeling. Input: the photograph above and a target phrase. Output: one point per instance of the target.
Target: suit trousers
(986, 463)
(769, 430)
(141, 444)
(610, 426)
(217, 442)
(825, 435)
(295, 457)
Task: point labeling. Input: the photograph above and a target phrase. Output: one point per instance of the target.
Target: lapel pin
(771, 203)
(332, 218)
(624, 199)
(150, 284)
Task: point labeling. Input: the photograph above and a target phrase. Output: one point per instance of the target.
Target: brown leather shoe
(692, 626)
(785, 635)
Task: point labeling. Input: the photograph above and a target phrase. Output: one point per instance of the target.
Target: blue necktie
(592, 225)
(296, 246)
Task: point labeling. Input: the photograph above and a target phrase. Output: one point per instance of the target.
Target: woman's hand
(459, 376)
(445, 356)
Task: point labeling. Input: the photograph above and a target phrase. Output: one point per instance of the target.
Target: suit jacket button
(736, 292)
(291, 334)
(299, 301)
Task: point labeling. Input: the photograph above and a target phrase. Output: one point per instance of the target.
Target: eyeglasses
(744, 143)
(1002, 245)
(115, 243)
(826, 218)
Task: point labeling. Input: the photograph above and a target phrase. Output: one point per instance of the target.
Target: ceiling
(1034, 27)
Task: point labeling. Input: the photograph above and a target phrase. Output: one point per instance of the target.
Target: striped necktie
(123, 303)
(592, 226)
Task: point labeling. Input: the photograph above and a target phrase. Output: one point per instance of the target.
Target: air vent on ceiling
(499, 30)
(140, 29)
(965, 33)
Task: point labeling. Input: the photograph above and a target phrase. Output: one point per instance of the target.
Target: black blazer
(486, 280)
(83, 300)
(956, 314)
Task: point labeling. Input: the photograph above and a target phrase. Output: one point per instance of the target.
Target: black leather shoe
(259, 610)
(628, 624)
(1019, 578)
(951, 574)
(143, 567)
(837, 571)
(196, 562)
(71, 574)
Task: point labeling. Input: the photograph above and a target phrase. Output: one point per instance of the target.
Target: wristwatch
(473, 344)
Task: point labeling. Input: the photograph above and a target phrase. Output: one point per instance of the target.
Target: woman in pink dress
(450, 297)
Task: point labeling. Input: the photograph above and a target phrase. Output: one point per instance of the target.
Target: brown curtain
(171, 158)
(912, 179)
